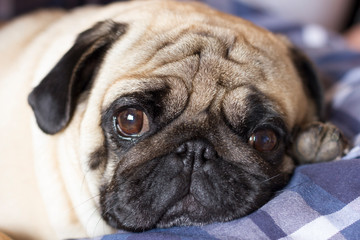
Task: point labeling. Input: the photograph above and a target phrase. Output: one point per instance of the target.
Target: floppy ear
(54, 99)
(311, 82)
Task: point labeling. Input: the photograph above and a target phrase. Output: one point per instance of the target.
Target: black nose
(196, 152)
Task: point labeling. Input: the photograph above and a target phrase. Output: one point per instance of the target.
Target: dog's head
(187, 114)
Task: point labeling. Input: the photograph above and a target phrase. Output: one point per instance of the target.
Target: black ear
(54, 99)
(312, 85)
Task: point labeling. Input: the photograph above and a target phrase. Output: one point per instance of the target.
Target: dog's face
(184, 122)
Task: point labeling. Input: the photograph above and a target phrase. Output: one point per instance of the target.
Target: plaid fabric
(322, 201)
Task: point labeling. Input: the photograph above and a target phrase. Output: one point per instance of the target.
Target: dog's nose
(196, 152)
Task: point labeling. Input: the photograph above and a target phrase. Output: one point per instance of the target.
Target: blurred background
(341, 16)
(336, 15)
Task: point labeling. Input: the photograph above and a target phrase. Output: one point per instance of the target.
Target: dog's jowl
(150, 114)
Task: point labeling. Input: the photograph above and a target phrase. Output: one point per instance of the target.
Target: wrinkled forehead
(199, 61)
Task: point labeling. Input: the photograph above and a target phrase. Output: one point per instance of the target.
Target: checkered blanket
(322, 201)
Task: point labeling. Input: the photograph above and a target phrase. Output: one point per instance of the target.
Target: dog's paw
(319, 142)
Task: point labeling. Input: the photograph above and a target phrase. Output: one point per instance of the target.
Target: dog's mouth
(175, 191)
(189, 211)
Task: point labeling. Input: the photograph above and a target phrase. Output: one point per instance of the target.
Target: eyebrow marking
(252, 108)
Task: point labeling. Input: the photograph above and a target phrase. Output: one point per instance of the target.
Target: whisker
(271, 178)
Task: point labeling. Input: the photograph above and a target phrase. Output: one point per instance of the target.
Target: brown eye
(263, 140)
(132, 122)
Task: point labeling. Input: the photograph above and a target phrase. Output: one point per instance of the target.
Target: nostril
(209, 153)
(182, 149)
(196, 150)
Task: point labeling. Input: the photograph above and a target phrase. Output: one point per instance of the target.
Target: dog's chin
(190, 212)
(186, 212)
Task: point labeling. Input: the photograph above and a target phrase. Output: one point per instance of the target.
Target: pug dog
(150, 114)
